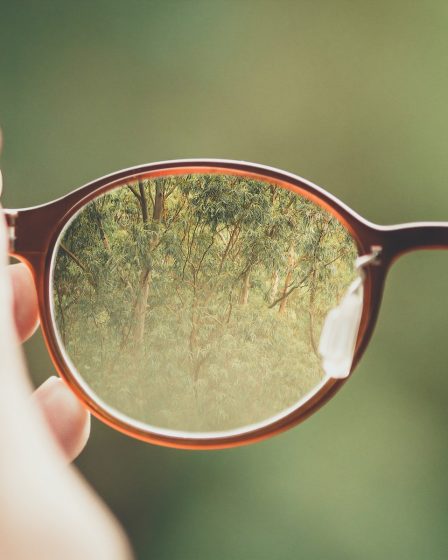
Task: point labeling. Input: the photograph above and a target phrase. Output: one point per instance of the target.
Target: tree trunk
(193, 346)
(244, 295)
(143, 201)
(274, 286)
(102, 233)
(159, 203)
(141, 303)
(311, 313)
(138, 328)
(62, 313)
(288, 277)
(284, 301)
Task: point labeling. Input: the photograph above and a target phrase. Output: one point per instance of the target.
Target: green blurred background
(352, 95)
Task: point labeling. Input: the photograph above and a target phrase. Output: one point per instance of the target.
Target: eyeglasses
(207, 303)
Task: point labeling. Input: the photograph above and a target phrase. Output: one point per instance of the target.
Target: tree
(195, 302)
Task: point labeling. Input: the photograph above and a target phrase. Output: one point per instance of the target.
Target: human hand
(46, 509)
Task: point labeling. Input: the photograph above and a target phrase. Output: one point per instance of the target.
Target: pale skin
(47, 510)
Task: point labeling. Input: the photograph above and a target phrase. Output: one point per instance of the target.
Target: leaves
(168, 292)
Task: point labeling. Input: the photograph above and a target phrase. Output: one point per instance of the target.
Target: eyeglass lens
(195, 302)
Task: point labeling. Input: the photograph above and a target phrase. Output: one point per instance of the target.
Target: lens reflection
(195, 302)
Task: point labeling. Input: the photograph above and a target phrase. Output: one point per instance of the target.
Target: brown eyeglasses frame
(34, 233)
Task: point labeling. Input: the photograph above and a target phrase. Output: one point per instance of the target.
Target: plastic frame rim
(37, 231)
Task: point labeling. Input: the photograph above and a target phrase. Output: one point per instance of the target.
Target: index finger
(25, 300)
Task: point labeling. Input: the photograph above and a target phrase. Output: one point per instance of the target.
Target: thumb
(41, 496)
(13, 380)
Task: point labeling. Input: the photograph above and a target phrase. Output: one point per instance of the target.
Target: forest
(195, 302)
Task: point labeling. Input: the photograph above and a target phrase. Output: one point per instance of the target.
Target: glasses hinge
(11, 217)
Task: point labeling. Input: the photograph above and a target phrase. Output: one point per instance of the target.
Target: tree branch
(134, 192)
(79, 263)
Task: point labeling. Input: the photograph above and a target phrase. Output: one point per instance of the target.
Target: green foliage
(195, 302)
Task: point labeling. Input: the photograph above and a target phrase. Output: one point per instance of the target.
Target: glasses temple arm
(403, 238)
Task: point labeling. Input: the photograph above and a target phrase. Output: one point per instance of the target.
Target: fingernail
(49, 383)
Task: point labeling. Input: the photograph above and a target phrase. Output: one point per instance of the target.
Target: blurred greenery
(351, 95)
